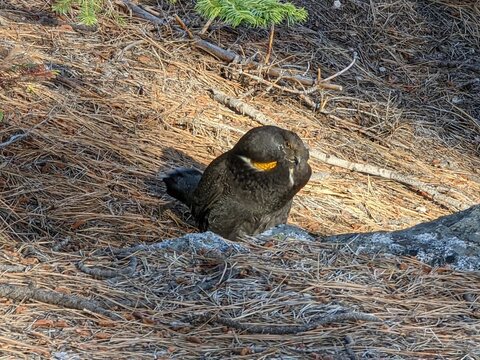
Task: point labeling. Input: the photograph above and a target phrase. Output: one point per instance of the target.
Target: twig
(183, 26)
(392, 175)
(348, 349)
(315, 106)
(241, 107)
(309, 90)
(206, 26)
(270, 43)
(19, 292)
(99, 273)
(341, 71)
(289, 329)
(230, 56)
(13, 138)
(58, 246)
(258, 116)
(137, 10)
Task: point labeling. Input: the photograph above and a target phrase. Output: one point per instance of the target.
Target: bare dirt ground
(129, 100)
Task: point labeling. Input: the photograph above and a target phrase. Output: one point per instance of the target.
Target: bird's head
(267, 148)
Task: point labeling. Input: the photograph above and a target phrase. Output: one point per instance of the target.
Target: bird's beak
(294, 160)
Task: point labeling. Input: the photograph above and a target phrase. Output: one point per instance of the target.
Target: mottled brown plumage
(248, 189)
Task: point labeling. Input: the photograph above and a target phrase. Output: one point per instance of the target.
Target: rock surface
(452, 240)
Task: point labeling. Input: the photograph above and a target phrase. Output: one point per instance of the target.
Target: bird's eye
(288, 144)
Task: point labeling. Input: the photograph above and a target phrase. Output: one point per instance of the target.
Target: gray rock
(452, 240)
(284, 231)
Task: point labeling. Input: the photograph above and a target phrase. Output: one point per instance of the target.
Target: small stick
(310, 90)
(12, 268)
(58, 246)
(206, 26)
(137, 10)
(392, 175)
(348, 349)
(341, 71)
(209, 244)
(17, 137)
(19, 292)
(308, 100)
(241, 107)
(98, 273)
(270, 43)
(13, 138)
(289, 329)
(183, 26)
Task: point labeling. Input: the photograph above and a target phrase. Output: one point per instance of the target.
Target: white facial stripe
(290, 176)
(248, 161)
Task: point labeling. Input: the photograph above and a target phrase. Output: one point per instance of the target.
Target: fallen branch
(99, 273)
(137, 10)
(289, 329)
(19, 292)
(442, 199)
(230, 56)
(241, 107)
(245, 109)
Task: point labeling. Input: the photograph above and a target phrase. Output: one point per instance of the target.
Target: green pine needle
(62, 6)
(256, 13)
(88, 9)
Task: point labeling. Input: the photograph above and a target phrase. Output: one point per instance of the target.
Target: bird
(248, 189)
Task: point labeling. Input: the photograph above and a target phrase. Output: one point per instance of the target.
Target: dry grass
(132, 101)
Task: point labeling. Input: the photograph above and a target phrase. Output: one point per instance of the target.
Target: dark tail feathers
(181, 183)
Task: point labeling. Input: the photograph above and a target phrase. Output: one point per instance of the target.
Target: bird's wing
(210, 189)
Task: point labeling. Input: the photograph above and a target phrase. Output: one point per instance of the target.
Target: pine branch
(255, 13)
